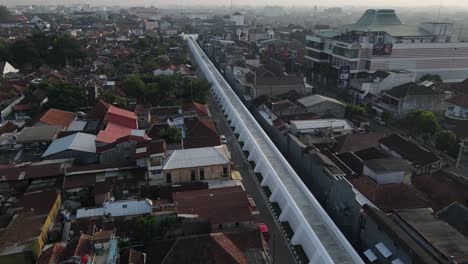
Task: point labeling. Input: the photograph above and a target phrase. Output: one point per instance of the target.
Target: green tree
(63, 95)
(25, 55)
(199, 90)
(149, 64)
(171, 135)
(65, 50)
(431, 77)
(54, 50)
(114, 99)
(446, 140)
(151, 228)
(133, 86)
(352, 110)
(386, 116)
(422, 121)
(4, 13)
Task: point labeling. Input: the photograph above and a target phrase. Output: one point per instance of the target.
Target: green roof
(384, 20)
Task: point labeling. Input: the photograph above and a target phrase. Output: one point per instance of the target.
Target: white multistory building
(380, 41)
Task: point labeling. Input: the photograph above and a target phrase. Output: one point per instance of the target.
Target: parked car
(264, 230)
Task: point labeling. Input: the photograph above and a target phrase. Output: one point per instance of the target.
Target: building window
(225, 171)
(193, 175)
(202, 174)
(168, 177)
(124, 206)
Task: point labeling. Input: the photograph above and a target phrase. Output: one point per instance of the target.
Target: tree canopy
(150, 228)
(166, 90)
(352, 110)
(38, 49)
(133, 86)
(171, 134)
(422, 121)
(446, 140)
(431, 77)
(4, 13)
(63, 95)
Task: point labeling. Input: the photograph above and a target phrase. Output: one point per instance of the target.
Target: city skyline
(340, 3)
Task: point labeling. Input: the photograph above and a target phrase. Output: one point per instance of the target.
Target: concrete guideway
(312, 228)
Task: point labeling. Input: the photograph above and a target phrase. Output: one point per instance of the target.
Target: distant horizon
(395, 4)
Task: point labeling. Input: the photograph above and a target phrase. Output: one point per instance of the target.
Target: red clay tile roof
(460, 100)
(56, 117)
(119, 141)
(113, 132)
(80, 181)
(222, 205)
(357, 142)
(32, 171)
(40, 202)
(8, 127)
(54, 254)
(84, 246)
(132, 256)
(23, 229)
(246, 238)
(121, 112)
(22, 107)
(442, 188)
(120, 124)
(99, 111)
(200, 132)
(199, 109)
(208, 248)
(390, 196)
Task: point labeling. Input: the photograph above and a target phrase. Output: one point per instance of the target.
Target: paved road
(279, 247)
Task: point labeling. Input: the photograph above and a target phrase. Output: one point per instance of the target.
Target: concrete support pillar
(266, 179)
(248, 144)
(297, 237)
(259, 166)
(237, 126)
(243, 137)
(253, 155)
(275, 194)
(316, 258)
(285, 214)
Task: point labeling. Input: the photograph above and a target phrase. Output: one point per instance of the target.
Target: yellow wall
(42, 238)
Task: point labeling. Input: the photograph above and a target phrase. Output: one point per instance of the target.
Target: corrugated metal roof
(77, 125)
(315, 99)
(79, 141)
(197, 157)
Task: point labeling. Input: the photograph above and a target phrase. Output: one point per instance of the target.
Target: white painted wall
(385, 178)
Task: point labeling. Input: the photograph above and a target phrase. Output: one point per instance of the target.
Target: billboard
(382, 49)
(343, 76)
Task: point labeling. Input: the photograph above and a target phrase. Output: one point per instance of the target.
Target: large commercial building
(380, 41)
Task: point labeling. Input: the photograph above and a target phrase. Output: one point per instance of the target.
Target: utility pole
(460, 153)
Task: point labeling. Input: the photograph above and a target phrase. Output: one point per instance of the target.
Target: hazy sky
(377, 3)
